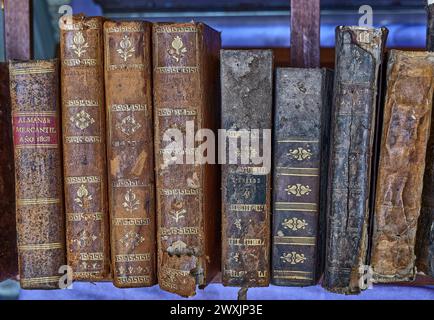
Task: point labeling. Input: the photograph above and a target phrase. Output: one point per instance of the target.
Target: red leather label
(35, 129)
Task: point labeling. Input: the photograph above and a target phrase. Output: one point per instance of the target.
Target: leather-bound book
(301, 138)
(430, 26)
(128, 83)
(186, 99)
(359, 54)
(406, 129)
(425, 229)
(38, 172)
(247, 105)
(84, 147)
(8, 234)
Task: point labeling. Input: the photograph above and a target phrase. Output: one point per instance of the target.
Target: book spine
(407, 120)
(38, 172)
(430, 26)
(359, 53)
(425, 229)
(185, 59)
(247, 87)
(83, 115)
(302, 119)
(130, 152)
(8, 234)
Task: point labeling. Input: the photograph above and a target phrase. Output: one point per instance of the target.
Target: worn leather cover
(83, 115)
(406, 128)
(186, 91)
(8, 234)
(247, 93)
(425, 229)
(301, 144)
(128, 84)
(359, 53)
(38, 172)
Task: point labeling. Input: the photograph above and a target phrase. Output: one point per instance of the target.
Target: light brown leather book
(8, 234)
(406, 128)
(38, 172)
(186, 61)
(128, 82)
(83, 115)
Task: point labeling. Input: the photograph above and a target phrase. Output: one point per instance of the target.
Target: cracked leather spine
(406, 130)
(301, 143)
(359, 55)
(128, 83)
(8, 236)
(247, 91)
(185, 73)
(84, 146)
(38, 172)
(425, 229)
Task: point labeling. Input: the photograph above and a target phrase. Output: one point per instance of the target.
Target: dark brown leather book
(84, 145)
(8, 234)
(430, 26)
(406, 128)
(186, 94)
(301, 143)
(425, 229)
(247, 104)
(128, 83)
(38, 172)
(359, 55)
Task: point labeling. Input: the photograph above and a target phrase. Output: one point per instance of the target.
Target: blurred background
(243, 23)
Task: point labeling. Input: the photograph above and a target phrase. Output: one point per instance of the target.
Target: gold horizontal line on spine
(133, 279)
(292, 277)
(297, 141)
(131, 221)
(304, 204)
(34, 114)
(38, 201)
(81, 103)
(19, 72)
(295, 206)
(83, 139)
(40, 280)
(181, 192)
(126, 67)
(175, 29)
(297, 171)
(83, 180)
(297, 174)
(121, 29)
(84, 216)
(295, 241)
(80, 26)
(92, 256)
(35, 146)
(177, 69)
(292, 272)
(122, 258)
(44, 246)
(87, 274)
(247, 207)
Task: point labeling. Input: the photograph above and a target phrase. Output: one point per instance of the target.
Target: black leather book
(301, 137)
(359, 53)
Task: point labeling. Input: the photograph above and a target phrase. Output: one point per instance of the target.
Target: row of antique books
(114, 179)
